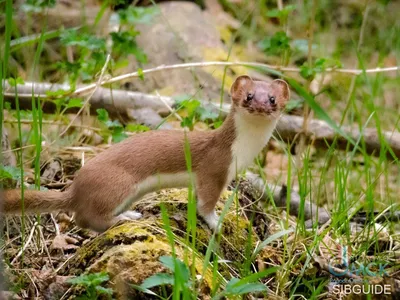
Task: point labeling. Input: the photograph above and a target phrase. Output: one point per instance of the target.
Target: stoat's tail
(34, 201)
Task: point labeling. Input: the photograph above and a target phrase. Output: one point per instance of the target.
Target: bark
(115, 101)
(121, 101)
(323, 135)
(263, 191)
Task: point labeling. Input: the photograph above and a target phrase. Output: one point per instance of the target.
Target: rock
(130, 252)
(7, 295)
(148, 117)
(181, 33)
(64, 14)
(51, 171)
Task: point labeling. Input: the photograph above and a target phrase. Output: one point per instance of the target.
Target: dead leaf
(64, 242)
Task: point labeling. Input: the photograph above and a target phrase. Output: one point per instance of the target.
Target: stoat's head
(259, 98)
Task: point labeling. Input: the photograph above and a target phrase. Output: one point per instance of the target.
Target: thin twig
(46, 249)
(88, 88)
(93, 90)
(54, 123)
(56, 226)
(28, 241)
(172, 111)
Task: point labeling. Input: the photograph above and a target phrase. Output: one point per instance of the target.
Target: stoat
(110, 182)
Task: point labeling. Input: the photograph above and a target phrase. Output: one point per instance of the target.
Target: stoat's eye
(250, 96)
(272, 99)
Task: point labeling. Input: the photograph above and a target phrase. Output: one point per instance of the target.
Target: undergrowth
(352, 183)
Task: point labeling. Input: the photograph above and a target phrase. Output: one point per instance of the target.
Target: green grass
(346, 182)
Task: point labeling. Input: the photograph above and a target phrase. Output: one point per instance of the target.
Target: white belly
(164, 181)
(155, 183)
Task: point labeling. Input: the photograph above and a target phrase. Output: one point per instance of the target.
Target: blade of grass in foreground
(191, 214)
(9, 25)
(4, 61)
(37, 111)
(179, 289)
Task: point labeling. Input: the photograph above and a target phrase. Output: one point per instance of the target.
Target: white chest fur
(251, 137)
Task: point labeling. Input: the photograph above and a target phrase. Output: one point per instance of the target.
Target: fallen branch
(323, 135)
(115, 101)
(120, 101)
(279, 194)
(88, 88)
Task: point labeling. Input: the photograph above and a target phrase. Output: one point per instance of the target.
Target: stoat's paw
(129, 215)
(212, 220)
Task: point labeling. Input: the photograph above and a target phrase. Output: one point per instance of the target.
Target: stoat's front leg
(208, 189)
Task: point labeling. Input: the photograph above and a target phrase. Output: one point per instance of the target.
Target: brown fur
(35, 201)
(108, 179)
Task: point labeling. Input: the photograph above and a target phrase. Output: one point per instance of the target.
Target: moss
(126, 233)
(133, 257)
(130, 252)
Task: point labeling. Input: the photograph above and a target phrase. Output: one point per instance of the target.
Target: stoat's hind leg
(101, 223)
(96, 222)
(128, 215)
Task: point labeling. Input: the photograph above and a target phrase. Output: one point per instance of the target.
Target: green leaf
(218, 123)
(104, 291)
(72, 37)
(293, 104)
(256, 276)
(20, 80)
(158, 279)
(289, 8)
(190, 105)
(187, 122)
(301, 45)
(14, 81)
(270, 239)
(118, 134)
(9, 172)
(37, 5)
(276, 44)
(274, 13)
(75, 102)
(102, 115)
(245, 288)
(137, 15)
(93, 279)
(307, 72)
(113, 124)
(206, 113)
(171, 263)
(283, 13)
(141, 74)
(319, 66)
(136, 128)
(124, 41)
(140, 55)
(246, 285)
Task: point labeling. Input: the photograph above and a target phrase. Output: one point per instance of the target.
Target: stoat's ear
(283, 87)
(241, 86)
